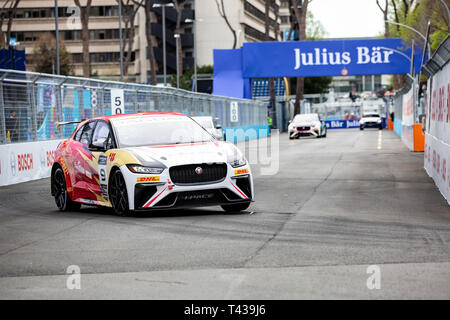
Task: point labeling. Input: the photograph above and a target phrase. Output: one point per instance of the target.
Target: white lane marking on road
(380, 138)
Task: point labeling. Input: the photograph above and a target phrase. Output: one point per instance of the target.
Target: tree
(385, 10)
(148, 35)
(314, 29)
(44, 55)
(267, 29)
(178, 30)
(416, 14)
(131, 8)
(223, 14)
(84, 17)
(8, 12)
(186, 77)
(300, 16)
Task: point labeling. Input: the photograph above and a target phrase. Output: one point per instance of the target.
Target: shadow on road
(86, 210)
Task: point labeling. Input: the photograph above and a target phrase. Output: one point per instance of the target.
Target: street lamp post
(448, 13)
(176, 36)
(239, 38)
(163, 6)
(414, 30)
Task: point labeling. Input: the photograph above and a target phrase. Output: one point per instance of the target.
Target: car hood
(179, 154)
(370, 119)
(304, 124)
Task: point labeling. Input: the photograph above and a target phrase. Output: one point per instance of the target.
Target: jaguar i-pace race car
(149, 161)
(307, 125)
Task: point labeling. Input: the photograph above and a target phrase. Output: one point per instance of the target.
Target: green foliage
(417, 17)
(314, 29)
(312, 85)
(44, 55)
(317, 84)
(186, 77)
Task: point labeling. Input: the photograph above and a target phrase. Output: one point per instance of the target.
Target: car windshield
(306, 117)
(158, 130)
(371, 116)
(205, 122)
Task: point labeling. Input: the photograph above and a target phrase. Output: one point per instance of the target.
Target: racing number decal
(103, 176)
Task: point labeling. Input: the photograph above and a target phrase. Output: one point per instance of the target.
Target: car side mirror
(218, 126)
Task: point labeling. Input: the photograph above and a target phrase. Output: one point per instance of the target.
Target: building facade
(246, 18)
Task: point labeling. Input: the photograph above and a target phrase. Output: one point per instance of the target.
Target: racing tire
(380, 128)
(62, 199)
(238, 207)
(361, 128)
(118, 195)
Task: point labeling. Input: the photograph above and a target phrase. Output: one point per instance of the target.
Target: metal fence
(32, 103)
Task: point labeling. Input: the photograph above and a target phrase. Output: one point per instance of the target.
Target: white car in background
(372, 120)
(208, 124)
(307, 124)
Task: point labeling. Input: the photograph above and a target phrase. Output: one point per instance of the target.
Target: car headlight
(379, 121)
(137, 168)
(361, 121)
(238, 162)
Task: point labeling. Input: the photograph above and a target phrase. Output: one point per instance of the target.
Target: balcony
(187, 40)
(171, 61)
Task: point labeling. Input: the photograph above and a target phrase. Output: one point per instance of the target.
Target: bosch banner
(327, 58)
(20, 162)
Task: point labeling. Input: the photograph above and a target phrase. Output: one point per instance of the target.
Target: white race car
(372, 120)
(149, 161)
(307, 124)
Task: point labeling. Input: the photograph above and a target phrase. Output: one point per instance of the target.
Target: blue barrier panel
(336, 124)
(348, 124)
(244, 133)
(398, 127)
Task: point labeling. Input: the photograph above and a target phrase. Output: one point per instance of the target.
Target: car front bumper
(152, 192)
(295, 133)
(370, 125)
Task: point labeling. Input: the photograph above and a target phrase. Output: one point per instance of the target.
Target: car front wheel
(238, 207)
(118, 194)
(62, 199)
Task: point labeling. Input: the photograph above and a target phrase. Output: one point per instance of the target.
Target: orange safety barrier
(419, 137)
(390, 124)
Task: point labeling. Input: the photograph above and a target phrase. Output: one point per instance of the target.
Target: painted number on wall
(234, 111)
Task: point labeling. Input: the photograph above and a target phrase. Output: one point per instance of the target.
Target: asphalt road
(334, 207)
